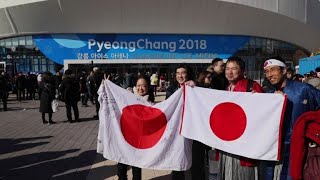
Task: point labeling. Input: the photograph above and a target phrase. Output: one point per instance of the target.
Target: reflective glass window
(252, 42)
(8, 42)
(44, 67)
(258, 42)
(15, 42)
(29, 40)
(22, 40)
(2, 42)
(35, 67)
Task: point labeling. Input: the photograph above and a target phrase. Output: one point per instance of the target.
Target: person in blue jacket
(301, 97)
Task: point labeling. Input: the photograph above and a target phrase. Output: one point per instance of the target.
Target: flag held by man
(245, 124)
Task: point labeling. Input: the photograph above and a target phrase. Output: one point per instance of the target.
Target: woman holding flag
(141, 89)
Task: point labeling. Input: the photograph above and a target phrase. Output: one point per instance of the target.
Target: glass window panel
(35, 68)
(252, 42)
(44, 67)
(2, 43)
(264, 42)
(258, 42)
(15, 42)
(29, 40)
(22, 40)
(35, 61)
(43, 61)
(50, 68)
(26, 68)
(8, 42)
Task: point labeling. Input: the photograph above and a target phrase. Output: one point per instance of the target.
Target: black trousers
(3, 97)
(31, 93)
(198, 157)
(97, 104)
(122, 172)
(178, 175)
(74, 105)
(84, 98)
(21, 92)
(43, 115)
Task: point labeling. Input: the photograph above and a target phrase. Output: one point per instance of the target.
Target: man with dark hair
(233, 166)
(70, 92)
(290, 73)
(301, 98)
(318, 71)
(219, 80)
(183, 74)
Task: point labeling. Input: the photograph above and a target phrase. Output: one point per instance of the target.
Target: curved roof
(294, 21)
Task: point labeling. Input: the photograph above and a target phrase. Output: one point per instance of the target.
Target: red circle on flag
(142, 126)
(228, 121)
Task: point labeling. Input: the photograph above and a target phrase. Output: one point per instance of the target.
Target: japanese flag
(241, 123)
(134, 132)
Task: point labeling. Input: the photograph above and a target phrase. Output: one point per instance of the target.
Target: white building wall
(295, 9)
(269, 5)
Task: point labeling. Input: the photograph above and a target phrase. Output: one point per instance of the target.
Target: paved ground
(32, 150)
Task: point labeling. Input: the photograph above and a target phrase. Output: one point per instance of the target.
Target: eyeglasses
(272, 70)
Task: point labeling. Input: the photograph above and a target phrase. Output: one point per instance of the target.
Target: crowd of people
(303, 95)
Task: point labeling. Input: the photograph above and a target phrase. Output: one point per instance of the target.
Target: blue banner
(59, 47)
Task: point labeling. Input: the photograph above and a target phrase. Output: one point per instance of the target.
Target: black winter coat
(47, 92)
(70, 89)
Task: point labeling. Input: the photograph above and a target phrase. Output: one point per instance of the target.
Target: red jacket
(307, 125)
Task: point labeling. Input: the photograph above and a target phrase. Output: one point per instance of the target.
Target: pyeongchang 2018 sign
(59, 47)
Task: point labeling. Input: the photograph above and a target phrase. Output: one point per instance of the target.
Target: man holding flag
(232, 166)
(301, 98)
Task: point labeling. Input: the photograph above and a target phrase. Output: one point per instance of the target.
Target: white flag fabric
(241, 123)
(134, 132)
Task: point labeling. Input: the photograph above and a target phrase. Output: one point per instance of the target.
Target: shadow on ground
(12, 145)
(49, 165)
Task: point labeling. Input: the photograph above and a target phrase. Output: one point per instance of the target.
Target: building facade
(40, 35)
